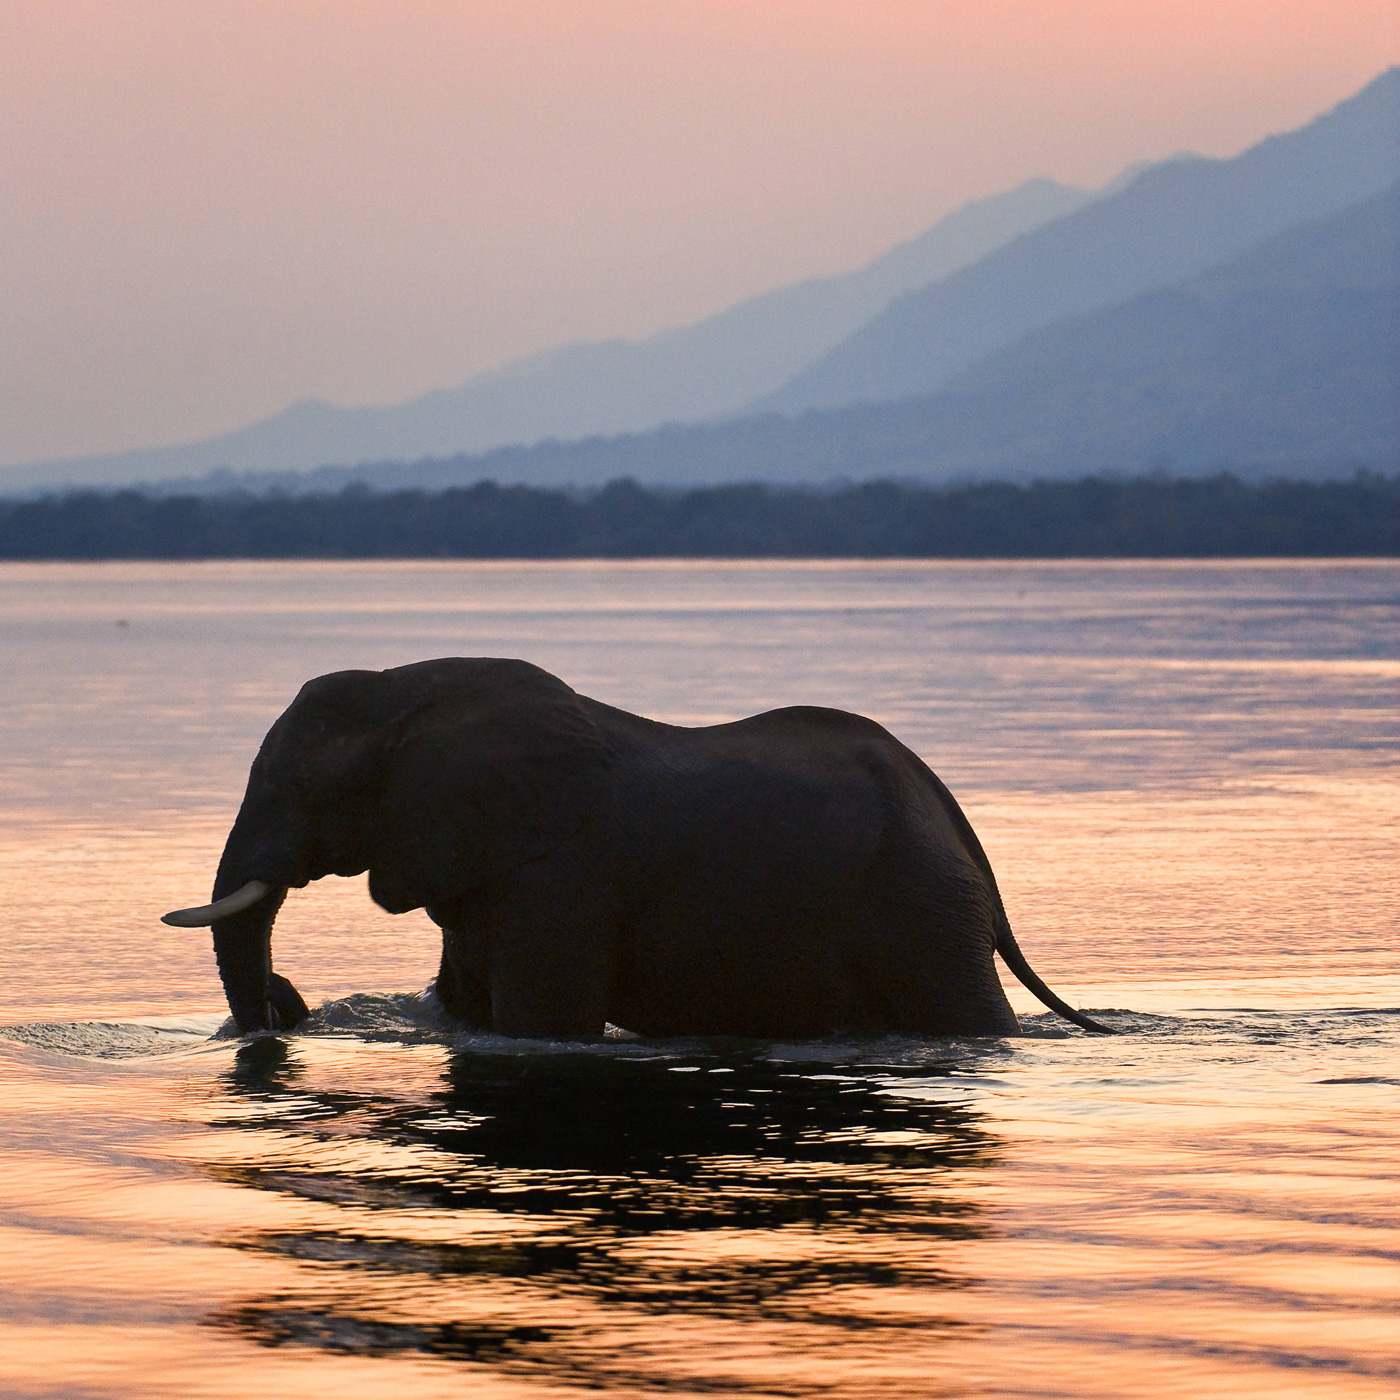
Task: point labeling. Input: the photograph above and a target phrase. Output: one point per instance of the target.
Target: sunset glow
(214, 209)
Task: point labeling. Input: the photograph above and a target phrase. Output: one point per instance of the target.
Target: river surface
(1186, 777)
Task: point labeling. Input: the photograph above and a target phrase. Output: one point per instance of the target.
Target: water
(1186, 779)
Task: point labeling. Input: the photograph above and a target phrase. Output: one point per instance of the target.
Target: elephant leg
(462, 993)
(547, 985)
(928, 949)
(550, 939)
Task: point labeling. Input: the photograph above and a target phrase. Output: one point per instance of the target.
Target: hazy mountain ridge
(1172, 222)
(1284, 356)
(1281, 360)
(1257, 374)
(691, 373)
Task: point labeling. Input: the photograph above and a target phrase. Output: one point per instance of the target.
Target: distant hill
(1038, 357)
(1284, 360)
(1174, 221)
(704, 370)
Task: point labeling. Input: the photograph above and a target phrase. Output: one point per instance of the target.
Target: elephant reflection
(576, 1161)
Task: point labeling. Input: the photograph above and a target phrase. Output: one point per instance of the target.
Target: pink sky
(210, 208)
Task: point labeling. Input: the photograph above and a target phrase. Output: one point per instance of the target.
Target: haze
(210, 210)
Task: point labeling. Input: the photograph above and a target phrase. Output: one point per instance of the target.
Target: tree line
(1093, 517)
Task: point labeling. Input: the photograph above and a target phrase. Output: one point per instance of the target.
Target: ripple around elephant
(795, 874)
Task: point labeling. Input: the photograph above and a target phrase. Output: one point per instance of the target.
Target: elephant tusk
(202, 915)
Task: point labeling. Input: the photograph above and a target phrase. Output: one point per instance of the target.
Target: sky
(212, 208)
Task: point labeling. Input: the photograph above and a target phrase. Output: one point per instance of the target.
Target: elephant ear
(494, 764)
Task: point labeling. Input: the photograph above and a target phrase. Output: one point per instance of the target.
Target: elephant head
(432, 777)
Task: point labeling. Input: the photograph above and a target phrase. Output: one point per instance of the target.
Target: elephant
(795, 874)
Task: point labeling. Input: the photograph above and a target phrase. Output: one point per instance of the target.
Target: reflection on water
(1202, 1206)
(636, 1190)
(1187, 778)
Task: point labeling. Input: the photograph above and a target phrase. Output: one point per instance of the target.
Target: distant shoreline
(1093, 517)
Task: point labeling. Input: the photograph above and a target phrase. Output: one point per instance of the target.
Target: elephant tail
(1015, 959)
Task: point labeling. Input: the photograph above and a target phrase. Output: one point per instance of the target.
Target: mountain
(1173, 221)
(1082, 254)
(699, 371)
(1284, 360)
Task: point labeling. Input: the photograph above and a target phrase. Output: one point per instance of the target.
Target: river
(1186, 776)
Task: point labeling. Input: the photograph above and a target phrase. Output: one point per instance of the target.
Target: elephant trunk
(259, 999)
(261, 860)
